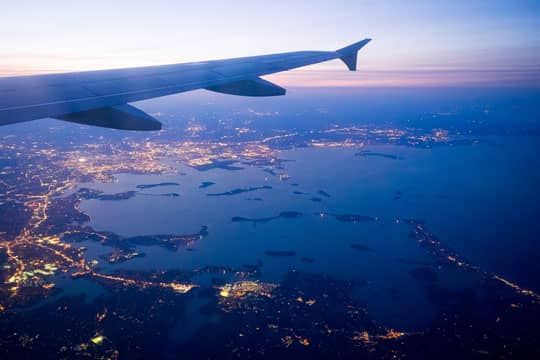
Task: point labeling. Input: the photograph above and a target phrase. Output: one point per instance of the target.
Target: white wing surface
(102, 98)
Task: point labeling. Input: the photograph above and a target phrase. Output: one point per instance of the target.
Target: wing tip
(349, 54)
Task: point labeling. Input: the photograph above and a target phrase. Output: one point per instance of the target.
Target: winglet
(349, 54)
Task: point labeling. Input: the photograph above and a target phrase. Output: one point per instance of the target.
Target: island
(283, 214)
(241, 191)
(150, 186)
(365, 153)
(88, 194)
(206, 184)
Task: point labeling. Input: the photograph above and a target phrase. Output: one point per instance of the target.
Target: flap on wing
(122, 117)
(251, 87)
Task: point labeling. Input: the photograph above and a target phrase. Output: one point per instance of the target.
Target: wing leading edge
(101, 98)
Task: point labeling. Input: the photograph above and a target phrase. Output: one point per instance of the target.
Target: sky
(415, 43)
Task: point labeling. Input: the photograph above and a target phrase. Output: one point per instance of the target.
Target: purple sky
(426, 43)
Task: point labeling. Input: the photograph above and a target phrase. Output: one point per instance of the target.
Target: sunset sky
(415, 43)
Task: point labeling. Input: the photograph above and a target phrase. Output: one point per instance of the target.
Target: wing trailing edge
(121, 117)
(256, 87)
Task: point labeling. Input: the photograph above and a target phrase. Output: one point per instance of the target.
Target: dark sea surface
(480, 200)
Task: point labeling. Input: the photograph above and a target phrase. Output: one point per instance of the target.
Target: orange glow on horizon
(405, 78)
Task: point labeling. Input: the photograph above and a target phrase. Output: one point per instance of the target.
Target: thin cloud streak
(410, 78)
(314, 77)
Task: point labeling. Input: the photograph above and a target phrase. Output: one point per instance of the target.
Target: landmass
(377, 154)
(170, 242)
(324, 193)
(352, 218)
(120, 255)
(283, 214)
(241, 191)
(206, 184)
(218, 164)
(13, 218)
(165, 194)
(87, 194)
(150, 186)
(43, 230)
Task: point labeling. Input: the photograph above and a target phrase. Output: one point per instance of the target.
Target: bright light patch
(98, 339)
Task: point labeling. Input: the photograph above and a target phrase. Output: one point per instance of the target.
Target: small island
(370, 153)
(283, 214)
(206, 184)
(88, 194)
(150, 186)
(352, 218)
(241, 191)
(324, 193)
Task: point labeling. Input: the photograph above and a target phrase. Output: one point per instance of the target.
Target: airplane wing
(101, 98)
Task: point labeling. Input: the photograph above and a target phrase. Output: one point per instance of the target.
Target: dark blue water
(481, 200)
